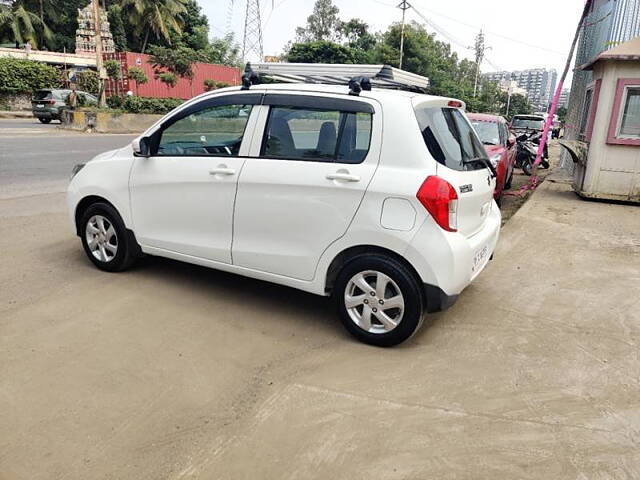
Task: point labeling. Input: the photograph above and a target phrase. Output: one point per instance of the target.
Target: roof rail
(358, 77)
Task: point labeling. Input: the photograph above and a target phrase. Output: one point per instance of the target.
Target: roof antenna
(249, 78)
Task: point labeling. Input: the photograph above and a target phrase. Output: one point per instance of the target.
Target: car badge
(466, 188)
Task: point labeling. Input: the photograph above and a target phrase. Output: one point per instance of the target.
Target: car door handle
(222, 171)
(344, 177)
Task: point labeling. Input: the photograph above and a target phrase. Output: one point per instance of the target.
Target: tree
(118, 29)
(520, 105)
(320, 52)
(114, 71)
(322, 25)
(19, 25)
(160, 17)
(169, 79)
(356, 34)
(137, 75)
(88, 81)
(179, 61)
(224, 51)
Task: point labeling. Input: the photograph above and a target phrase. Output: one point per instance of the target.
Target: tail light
(441, 201)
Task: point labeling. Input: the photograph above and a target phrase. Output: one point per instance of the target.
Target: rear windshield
(450, 138)
(43, 95)
(527, 123)
(488, 132)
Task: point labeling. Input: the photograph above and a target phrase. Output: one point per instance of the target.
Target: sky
(521, 34)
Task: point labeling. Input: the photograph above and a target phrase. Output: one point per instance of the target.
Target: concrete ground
(172, 371)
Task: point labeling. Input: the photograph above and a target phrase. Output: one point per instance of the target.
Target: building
(607, 158)
(608, 24)
(511, 87)
(86, 32)
(564, 98)
(539, 83)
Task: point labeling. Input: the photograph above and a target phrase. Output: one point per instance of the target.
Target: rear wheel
(106, 240)
(379, 300)
(44, 120)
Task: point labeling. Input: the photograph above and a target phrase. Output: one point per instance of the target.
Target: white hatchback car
(383, 200)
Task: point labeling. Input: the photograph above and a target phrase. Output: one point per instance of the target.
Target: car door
(312, 166)
(182, 196)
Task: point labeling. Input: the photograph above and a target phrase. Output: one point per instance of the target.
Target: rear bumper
(46, 114)
(449, 261)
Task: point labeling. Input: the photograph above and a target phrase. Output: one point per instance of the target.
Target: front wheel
(106, 240)
(44, 120)
(527, 167)
(379, 300)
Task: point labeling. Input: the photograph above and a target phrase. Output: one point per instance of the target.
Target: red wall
(155, 88)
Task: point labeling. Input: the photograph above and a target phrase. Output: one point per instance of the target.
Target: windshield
(528, 123)
(487, 131)
(450, 138)
(42, 95)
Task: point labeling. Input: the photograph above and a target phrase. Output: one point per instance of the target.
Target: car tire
(44, 120)
(106, 240)
(509, 182)
(385, 316)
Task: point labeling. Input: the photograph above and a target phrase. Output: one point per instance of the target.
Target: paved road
(171, 371)
(36, 158)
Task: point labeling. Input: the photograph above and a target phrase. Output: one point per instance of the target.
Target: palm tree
(21, 25)
(158, 16)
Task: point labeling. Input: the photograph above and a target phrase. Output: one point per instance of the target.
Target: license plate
(480, 258)
(40, 105)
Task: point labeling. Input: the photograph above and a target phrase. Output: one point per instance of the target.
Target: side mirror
(141, 147)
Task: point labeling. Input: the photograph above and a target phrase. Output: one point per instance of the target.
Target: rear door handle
(222, 171)
(343, 177)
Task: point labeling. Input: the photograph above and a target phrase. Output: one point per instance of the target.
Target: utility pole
(102, 74)
(404, 6)
(509, 97)
(479, 48)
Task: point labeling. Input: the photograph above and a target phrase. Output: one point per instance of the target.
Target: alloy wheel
(102, 239)
(374, 302)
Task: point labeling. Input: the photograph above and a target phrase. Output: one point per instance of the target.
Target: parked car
(49, 104)
(501, 148)
(383, 201)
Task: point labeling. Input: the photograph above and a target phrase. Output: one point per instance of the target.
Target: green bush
(26, 76)
(115, 102)
(133, 104)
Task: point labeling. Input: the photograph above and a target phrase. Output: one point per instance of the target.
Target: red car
(500, 144)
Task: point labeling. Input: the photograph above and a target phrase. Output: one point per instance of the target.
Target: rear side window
(451, 139)
(322, 135)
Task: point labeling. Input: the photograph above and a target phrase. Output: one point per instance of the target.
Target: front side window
(213, 131)
(630, 121)
(323, 135)
(451, 139)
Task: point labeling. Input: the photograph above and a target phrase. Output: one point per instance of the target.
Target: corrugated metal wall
(155, 88)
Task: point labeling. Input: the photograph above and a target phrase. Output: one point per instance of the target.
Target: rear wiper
(485, 162)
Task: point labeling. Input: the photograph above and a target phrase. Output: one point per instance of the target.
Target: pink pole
(556, 97)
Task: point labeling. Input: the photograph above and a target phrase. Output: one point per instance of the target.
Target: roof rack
(358, 77)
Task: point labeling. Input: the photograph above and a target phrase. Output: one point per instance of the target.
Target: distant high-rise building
(538, 82)
(564, 98)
